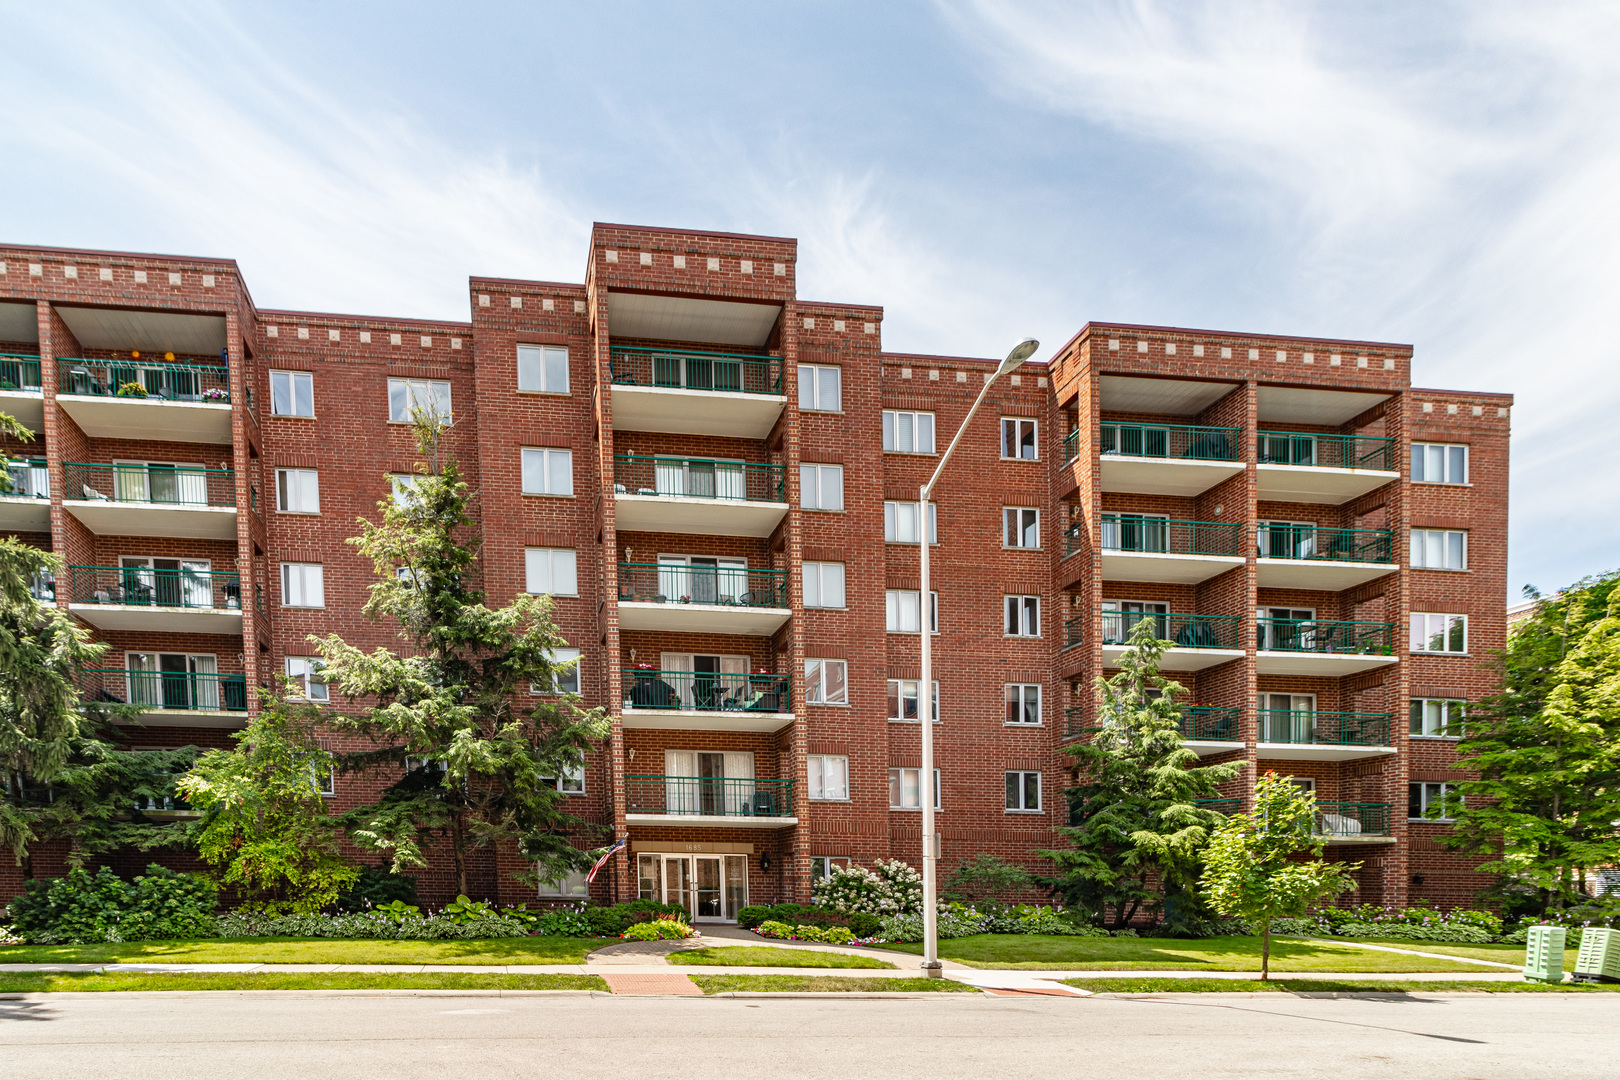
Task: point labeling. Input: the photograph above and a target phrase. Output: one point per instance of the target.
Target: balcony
(1352, 823)
(184, 599)
(713, 700)
(1328, 647)
(696, 393)
(1311, 467)
(21, 394)
(706, 599)
(172, 698)
(697, 495)
(25, 506)
(1220, 806)
(1305, 735)
(1205, 729)
(703, 800)
(1196, 641)
(1327, 560)
(1139, 548)
(141, 399)
(1168, 459)
(143, 499)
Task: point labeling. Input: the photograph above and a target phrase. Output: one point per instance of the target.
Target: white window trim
(1003, 434)
(303, 607)
(933, 596)
(1040, 791)
(546, 452)
(818, 508)
(536, 690)
(301, 513)
(1040, 706)
(820, 563)
(575, 773)
(821, 367)
(411, 384)
(933, 431)
(1040, 538)
(1415, 532)
(810, 791)
(938, 804)
(1460, 707)
(1447, 787)
(568, 375)
(1414, 650)
(822, 687)
(1468, 464)
(303, 678)
(1039, 616)
(933, 521)
(551, 569)
(901, 698)
(310, 375)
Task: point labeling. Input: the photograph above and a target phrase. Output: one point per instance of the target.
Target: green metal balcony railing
(166, 690)
(28, 479)
(1327, 451)
(167, 484)
(1071, 446)
(708, 796)
(1285, 541)
(1205, 723)
(144, 586)
(1325, 636)
(707, 691)
(698, 478)
(1182, 631)
(1220, 806)
(1195, 443)
(1338, 820)
(141, 378)
(686, 369)
(682, 583)
(1324, 728)
(19, 371)
(1162, 536)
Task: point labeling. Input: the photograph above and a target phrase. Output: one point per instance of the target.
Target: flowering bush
(215, 393)
(658, 930)
(891, 887)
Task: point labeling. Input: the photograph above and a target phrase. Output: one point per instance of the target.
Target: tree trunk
(458, 837)
(1265, 951)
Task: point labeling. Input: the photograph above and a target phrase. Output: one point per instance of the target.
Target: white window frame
(1017, 424)
(306, 672)
(409, 393)
(325, 786)
(538, 363)
(1423, 454)
(812, 388)
(821, 866)
(292, 381)
(892, 430)
(1022, 789)
(1450, 712)
(1021, 692)
(1424, 802)
(1425, 542)
(559, 687)
(304, 571)
(1016, 616)
(572, 885)
(901, 606)
(402, 486)
(899, 774)
(820, 687)
(1301, 713)
(532, 556)
(551, 466)
(816, 578)
(1015, 525)
(302, 483)
(814, 487)
(570, 782)
(901, 515)
(1423, 632)
(902, 690)
(816, 778)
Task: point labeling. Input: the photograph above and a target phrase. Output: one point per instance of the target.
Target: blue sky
(1443, 174)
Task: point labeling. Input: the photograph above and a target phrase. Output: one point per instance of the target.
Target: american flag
(606, 855)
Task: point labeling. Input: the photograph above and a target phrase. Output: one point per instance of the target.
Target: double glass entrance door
(712, 888)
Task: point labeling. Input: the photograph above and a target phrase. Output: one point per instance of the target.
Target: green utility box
(1544, 954)
(1599, 958)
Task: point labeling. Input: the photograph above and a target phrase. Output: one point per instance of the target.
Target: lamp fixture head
(1020, 352)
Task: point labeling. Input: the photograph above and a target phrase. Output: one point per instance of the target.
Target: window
(1286, 629)
(1424, 797)
(325, 782)
(902, 615)
(1018, 439)
(820, 388)
(1024, 792)
(829, 777)
(900, 523)
(1119, 619)
(426, 395)
(821, 487)
(565, 674)
(298, 491)
(572, 885)
(1437, 717)
(821, 866)
(303, 585)
(1439, 463)
(306, 672)
(903, 703)
(181, 681)
(823, 584)
(1439, 633)
(550, 570)
(905, 789)
(1021, 527)
(1440, 549)
(548, 472)
(908, 432)
(571, 782)
(404, 487)
(826, 682)
(292, 393)
(1023, 616)
(542, 369)
(1288, 718)
(1023, 703)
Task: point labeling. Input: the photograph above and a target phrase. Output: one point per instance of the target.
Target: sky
(1444, 174)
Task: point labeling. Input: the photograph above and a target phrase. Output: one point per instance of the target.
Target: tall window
(1440, 549)
(826, 682)
(902, 614)
(821, 487)
(292, 393)
(303, 585)
(564, 674)
(1020, 527)
(823, 584)
(1439, 463)
(1023, 791)
(1424, 797)
(829, 777)
(1023, 703)
(1018, 439)
(900, 523)
(551, 570)
(298, 491)
(431, 396)
(1023, 616)
(903, 702)
(908, 432)
(905, 789)
(306, 672)
(1436, 717)
(1439, 633)
(542, 369)
(820, 388)
(548, 472)
(404, 487)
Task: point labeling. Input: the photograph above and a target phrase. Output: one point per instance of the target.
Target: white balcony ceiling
(1167, 397)
(19, 322)
(1319, 484)
(680, 318)
(1333, 665)
(703, 720)
(191, 718)
(163, 620)
(154, 519)
(718, 821)
(1321, 575)
(1164, 476)
(27, 407)
(1175, 659)
(146, 418)
(1270, 751)
(701, 618)
(695, 412)
(1211, 747)
(158, 331)
(1176, 569)
(25, 513)
(705, 517)
(1288, 404)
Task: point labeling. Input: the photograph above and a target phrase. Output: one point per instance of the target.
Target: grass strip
(1328, 986)
(490, 951)
(37, 982)
(1037, 952)
(769, 956)
(827, 984)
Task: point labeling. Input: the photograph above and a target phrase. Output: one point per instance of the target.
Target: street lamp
(925, 689)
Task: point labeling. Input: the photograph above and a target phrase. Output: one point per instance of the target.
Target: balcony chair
(1210, 446)
(651, 692)
(764, 805)
(1198, 634)
(1339, 825)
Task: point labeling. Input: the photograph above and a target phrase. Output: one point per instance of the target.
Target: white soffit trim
(679, 318)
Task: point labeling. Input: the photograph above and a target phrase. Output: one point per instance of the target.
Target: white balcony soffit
(1164, 567)
(681, 318)
(145, 418)
(19, 322)
(1320, 752)
(174, 620)
(1280, 406)
(154, 519)
(192, 718)
(1164, 476)
(705, 517)
(24, 513)
(723, 821)
(1163, 397)
(1211, 747)
(1320, 575)
(154, 331)
(701, 618)
(1335, 840)
(695, 412)
(704, 720)
(28, 406)
(1319, 484)
(1175, 659)
(1319, 663)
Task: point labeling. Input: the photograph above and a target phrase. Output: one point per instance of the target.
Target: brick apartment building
(714, 479)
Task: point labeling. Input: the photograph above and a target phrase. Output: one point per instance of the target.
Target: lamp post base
(933, 969)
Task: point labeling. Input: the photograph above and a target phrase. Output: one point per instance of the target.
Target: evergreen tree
(454, 710)
(1136, 831)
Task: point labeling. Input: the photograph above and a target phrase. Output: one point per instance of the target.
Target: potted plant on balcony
(216, 394)
(132, 389)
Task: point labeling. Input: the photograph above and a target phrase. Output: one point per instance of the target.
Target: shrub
(863, 925)
(1459, 932)
(376, 886)
(463, 910)
(772, 929)
(891, 887)
(658, 930)
(80, 909)
(366, 925)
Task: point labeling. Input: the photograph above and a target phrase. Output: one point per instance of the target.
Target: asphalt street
(299, 1036)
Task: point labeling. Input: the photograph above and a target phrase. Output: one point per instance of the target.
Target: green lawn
(46, 982)
(525, 950)
(827, 984)
(769, 956)
(1037, 952)
(1326, 986)
(1502, 954)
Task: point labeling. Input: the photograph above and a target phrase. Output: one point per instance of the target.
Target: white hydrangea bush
(891, 887)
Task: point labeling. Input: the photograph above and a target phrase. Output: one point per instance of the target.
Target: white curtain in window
(205, 688)
(680, 782)
(739, 794)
